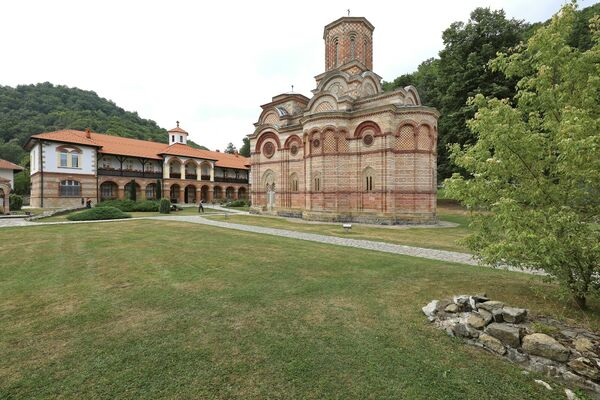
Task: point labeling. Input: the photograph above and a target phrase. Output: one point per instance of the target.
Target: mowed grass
(156, 309)
(434, 237)
(137, 214)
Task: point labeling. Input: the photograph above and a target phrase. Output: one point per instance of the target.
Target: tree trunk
(580, 300)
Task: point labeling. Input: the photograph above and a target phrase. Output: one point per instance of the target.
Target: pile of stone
(562, 352)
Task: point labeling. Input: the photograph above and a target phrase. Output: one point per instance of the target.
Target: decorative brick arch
(264, 136)
(406, 136)
(292, 139)
(364, 126)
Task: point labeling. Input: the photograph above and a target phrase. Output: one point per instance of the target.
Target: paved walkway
(431, 254)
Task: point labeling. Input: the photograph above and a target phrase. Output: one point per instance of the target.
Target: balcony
(231, 180)
(205, 177)
(129, 173)
(191, 176)
(175, 175)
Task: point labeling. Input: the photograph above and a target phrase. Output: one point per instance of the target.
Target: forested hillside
(44, 107)
(461, 71)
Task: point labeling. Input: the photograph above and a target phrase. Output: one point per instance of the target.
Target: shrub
(123, 205)
(15, 202)
(146, 206)
(165, 206)
(237, 203)
(98, 213)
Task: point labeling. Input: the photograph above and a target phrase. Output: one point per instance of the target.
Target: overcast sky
(211, 65)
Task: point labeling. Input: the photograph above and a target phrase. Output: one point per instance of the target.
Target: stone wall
(543, 345)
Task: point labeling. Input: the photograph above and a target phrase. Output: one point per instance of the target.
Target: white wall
(86, 161)
(8, 174)
(34, 159)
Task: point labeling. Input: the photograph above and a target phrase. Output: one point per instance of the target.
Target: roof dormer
(177, 135)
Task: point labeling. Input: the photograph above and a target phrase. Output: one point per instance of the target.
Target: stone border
(563, 352)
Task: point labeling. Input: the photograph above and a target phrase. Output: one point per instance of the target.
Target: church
(351, 152)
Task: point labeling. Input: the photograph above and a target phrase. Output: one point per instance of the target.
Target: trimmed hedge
(98, 213)
(15, 202)
(130, 205)
(165, 206)
(238, 203)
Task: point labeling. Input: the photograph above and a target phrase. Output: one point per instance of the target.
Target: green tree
(534, 172)
(231, 149)
(245, 149)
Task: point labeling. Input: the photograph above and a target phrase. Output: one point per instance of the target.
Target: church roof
(4, 164)
(109, 144)
(347, 20)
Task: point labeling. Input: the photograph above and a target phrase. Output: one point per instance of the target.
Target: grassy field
(435, 238)
(135, 214)
(156, 309)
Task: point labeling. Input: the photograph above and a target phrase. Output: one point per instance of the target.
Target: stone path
(432, 254)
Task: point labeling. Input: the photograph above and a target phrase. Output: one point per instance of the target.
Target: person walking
(200, 207)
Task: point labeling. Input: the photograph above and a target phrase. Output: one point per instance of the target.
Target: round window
(368, 140)
(294, 150)
(316, 143)
(269, 149)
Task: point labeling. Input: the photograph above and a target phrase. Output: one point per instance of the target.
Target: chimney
(88, 133)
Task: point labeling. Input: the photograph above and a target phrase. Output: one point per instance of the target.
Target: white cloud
(211, 65)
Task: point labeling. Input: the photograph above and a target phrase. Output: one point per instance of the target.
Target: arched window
(352, 47)
(294, 182)
(108, 191)
(70, 188)
(368, 174)
(317, 183)
(365, 48)
(336, 50)
(151, 191)
(69, 157)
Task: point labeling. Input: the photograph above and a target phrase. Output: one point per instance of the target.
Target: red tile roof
(178, 130)
(8, 165)
(110, 144)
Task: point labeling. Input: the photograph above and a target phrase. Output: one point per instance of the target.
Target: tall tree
(231, 149)
(464, 72)
(534, 170)
(245, 149)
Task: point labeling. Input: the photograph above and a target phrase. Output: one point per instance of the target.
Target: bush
(98, 213)
(130, 205)
(237, 203)
(123, 205)
(165, 206)
(15, 202)
(146, 206)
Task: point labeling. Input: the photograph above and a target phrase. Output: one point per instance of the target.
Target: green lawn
(135, 214)
(157, 309)
(435, 238)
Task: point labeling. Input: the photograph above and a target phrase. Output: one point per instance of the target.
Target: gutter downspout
(41, 142)
(97, 187)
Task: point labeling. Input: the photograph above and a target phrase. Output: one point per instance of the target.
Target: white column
(182, 170)
(166, 169)
(212, 171)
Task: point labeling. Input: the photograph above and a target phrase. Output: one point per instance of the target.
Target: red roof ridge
(5, 164)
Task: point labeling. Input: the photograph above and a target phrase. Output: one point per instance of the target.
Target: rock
(492, 343)
(542, 345)
(463, 302)
(584, 367)
(476, 321)
(583, 345)
(463, 330)
(497, 315)
(486, 315)
(544, 384)
(569, 333)
(507, 334)
(514, 315)
(451, 308)
(491, 305)
(480, 297)
(571, 395)
(430, 310)
(515, 356)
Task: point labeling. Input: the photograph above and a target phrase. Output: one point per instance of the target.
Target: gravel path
(432, 254)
